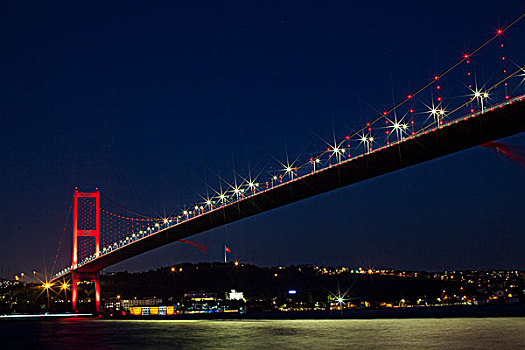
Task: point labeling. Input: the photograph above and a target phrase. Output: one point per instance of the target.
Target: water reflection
(79, 334)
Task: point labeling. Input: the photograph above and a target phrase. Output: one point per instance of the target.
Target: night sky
(149, 102)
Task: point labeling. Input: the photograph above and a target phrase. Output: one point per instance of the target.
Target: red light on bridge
(499, 31)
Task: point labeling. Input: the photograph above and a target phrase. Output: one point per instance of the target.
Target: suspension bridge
(456, 109)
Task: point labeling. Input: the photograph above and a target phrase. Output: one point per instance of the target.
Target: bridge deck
(499, 122)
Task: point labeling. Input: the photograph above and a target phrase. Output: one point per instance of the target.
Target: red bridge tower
(89, 227)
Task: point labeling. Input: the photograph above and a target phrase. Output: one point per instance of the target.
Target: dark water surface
(452, 333)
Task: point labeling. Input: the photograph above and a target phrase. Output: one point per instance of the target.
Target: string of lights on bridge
(412, 117)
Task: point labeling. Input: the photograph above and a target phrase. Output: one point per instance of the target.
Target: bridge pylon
(85, 276)
(88, 226)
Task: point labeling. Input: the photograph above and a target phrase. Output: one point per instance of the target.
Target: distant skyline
(149, 103)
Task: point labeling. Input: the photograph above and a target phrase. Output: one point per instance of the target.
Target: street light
(46, 286)
(65, 287)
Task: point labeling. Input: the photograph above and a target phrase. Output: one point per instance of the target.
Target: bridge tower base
(85, 276)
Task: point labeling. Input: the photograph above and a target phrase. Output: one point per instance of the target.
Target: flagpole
(224, 254)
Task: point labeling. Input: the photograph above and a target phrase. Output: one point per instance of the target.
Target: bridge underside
(463, 134)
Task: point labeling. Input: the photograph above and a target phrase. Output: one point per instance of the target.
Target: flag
(226, 249)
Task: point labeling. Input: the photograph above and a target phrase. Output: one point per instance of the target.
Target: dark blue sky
(148, 101)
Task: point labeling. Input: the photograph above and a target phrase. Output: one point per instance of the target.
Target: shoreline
(401, 313)
(487, 311)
